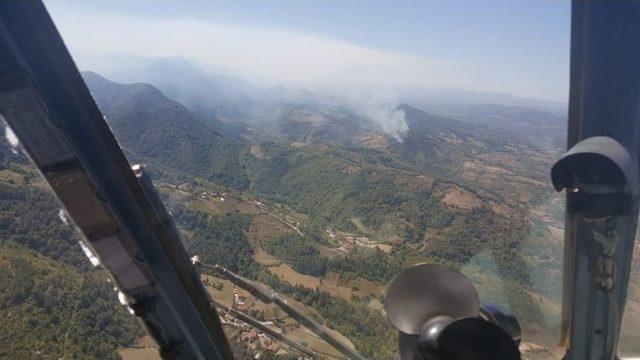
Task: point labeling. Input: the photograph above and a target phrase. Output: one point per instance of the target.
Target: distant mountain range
(209, 94)
(244, 155)
(230, 99)
(421, 97)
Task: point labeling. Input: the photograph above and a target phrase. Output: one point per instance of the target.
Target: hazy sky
(514, 47)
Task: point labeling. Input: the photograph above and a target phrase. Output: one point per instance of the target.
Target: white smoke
(389, 118)
(381, 108)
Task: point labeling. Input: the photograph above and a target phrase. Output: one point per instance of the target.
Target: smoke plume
(381, 108)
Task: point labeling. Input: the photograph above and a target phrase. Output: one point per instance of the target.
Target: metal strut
(602, 206)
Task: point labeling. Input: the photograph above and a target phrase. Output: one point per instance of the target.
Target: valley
(322, 205)
(336, 206)
(298, 180)
(367, 288)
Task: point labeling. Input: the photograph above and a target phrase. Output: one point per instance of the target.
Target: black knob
(465, 339)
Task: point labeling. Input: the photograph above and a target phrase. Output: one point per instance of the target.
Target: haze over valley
(326, 198)
(319, 158)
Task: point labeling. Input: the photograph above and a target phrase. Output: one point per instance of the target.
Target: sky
(519, 48)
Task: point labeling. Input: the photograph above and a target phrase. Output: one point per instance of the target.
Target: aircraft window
(288, 155)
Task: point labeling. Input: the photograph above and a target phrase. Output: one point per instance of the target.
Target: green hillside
(432, 190)
(51, 299)
(155, 129)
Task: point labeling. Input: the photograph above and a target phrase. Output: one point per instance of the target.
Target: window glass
(319, 149)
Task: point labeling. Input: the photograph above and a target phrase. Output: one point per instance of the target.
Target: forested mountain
(154, 128)
(318, 173)
(364, 203)
(215, 97)
(413, 190)
(219, 96)
(203, 92)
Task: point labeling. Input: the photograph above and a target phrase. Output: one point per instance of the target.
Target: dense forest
(372, 265)
(58, 311)
(218, 239)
